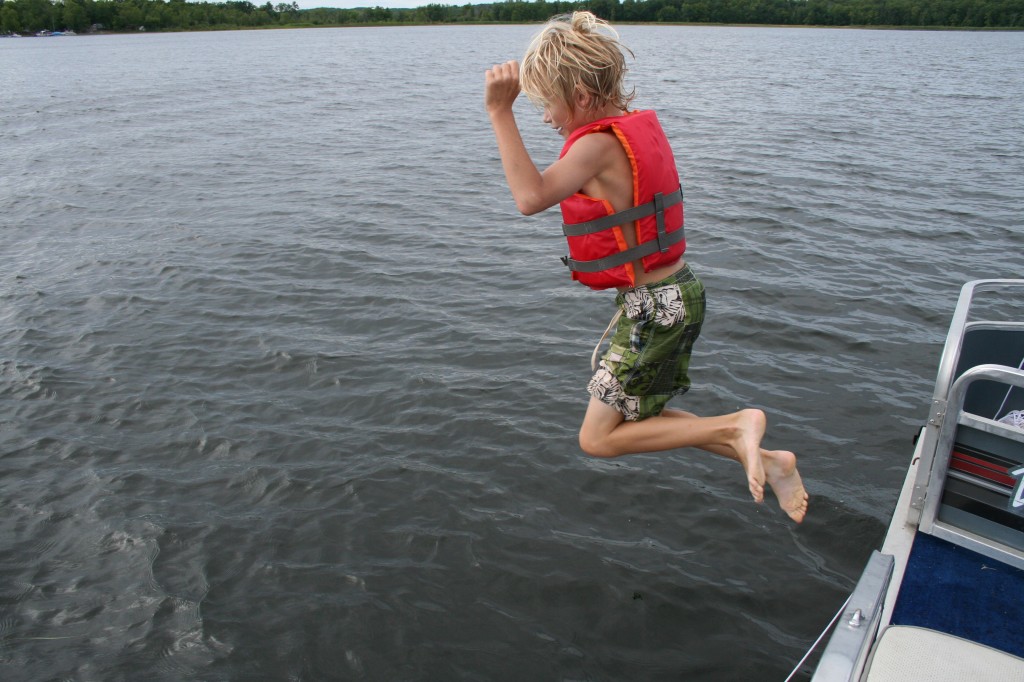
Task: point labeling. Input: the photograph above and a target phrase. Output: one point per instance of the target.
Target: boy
(618, 189)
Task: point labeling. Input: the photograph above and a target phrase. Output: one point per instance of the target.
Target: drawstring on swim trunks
(597, 348)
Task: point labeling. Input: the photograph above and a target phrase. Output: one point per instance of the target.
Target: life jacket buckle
(659, 213)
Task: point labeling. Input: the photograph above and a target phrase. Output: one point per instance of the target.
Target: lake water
(289, 391)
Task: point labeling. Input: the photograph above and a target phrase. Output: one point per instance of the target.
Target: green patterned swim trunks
(649, 355)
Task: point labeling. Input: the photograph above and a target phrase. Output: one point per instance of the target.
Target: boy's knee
(595, 446)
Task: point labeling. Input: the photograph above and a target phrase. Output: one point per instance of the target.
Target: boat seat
(911, 654)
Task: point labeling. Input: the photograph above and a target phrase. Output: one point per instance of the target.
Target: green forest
(81, 16)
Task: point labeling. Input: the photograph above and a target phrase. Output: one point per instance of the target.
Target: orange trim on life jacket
(654, 175)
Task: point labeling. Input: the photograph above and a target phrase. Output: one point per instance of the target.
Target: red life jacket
(599, 255)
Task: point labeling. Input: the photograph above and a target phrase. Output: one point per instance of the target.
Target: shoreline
(398, 24)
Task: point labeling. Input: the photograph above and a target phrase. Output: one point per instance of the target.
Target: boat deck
(960, 592)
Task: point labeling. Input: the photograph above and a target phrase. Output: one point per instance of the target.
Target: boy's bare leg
(605, 433)
(779, 468)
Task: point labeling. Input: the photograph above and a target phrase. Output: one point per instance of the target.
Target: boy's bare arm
(501, 91)
(532, 189)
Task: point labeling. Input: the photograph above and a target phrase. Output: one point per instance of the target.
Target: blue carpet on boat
(954, 590)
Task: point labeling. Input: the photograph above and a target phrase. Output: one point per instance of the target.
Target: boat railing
(973, 530)
(968, 457)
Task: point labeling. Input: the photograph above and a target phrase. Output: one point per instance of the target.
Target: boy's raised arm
(532, 189)
(525, 181)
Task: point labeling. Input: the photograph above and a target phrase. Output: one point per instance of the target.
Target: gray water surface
(288, 389)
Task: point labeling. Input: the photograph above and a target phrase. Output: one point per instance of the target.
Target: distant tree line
(32, 16)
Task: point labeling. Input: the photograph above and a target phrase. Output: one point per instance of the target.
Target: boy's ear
(582, 99)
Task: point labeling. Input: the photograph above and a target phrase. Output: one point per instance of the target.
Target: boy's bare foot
(780, 471)
(751, 425)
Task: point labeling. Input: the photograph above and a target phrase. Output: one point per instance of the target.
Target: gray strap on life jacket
(662, 243)
(627, 216)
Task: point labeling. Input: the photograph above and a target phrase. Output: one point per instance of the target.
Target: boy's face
(558, 115)
(564, 118)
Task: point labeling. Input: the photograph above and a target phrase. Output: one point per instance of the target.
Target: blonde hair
(576, 53)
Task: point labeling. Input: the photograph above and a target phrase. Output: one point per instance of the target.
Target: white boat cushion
(909, 654)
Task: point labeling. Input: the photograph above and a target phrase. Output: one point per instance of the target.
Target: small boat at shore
(940, 600)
